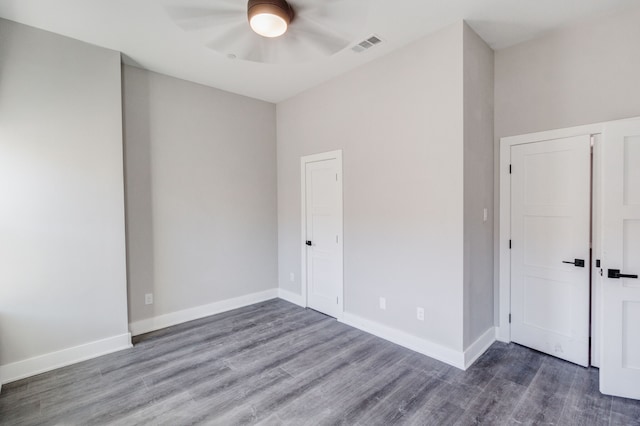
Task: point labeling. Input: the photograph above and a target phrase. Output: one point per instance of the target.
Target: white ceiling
(143, 31)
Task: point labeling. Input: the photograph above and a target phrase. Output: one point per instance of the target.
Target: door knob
(308, 242)
(615, 273)
(577, 262)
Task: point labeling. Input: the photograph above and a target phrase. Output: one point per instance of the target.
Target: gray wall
(398, 121)
(62, 250)
(201, 194)
(478, 186)
(583, 74)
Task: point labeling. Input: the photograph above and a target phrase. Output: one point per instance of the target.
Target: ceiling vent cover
(367, 43)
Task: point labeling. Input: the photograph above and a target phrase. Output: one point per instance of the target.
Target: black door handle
(308, 242)
(615, 273)
(577, 262)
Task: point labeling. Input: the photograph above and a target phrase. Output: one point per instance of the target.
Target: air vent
(367, 43)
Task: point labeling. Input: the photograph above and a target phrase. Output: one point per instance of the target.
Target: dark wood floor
(275, 363)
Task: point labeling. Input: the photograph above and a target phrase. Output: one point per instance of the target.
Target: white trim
(596, 253)
(47, 362)
(337, 154)
(420, 345)
(179, 317)
(503, 329)
(290, 296)
(589, 129)
(501, 332)
(480, 346)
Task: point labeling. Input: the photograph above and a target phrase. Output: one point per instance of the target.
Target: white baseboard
(479, 347)
(423, 346)
(503, 334)
(47, 362)
(290, 296)
(179, 317)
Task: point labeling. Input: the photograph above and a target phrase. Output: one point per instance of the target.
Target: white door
(323, 233)
(620, 356)
(550, 233)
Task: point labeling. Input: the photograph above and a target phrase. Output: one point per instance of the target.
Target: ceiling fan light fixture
(269, 18)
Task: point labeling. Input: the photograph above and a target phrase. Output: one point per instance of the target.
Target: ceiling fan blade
(262, 51)
(297, 51)
(233, 39)
(301, 5)
(197, 18)
(323, 39)
(334, 13)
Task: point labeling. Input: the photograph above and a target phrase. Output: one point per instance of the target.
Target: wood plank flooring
(275, 363)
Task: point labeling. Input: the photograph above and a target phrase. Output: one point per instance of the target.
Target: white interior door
(323, 235)
(550, 233)
(620, 356)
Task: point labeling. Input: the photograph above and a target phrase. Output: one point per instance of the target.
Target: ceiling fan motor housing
(274, 7)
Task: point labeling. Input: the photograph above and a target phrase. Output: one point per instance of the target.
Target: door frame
(503, 219)
(323, 156)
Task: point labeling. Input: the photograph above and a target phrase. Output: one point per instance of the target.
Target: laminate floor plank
(310, 357)
(213, 345)
(447, 414)
(585, 404)
(159, 347)
(284, 343)
(338, 402)
(625, 411)
(413, 391)
(214, 401)
(324, 380)
(495, 404)
(274, 363)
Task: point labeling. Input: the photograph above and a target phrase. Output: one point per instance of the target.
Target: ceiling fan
(271, 31)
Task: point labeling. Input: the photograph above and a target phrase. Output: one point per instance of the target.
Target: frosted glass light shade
(269, 18)
(268, 25)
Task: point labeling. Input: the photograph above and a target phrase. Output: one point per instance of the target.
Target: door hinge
(509, 318)
(509, 244)
(509, 168)
(337, 303)
(336, 177)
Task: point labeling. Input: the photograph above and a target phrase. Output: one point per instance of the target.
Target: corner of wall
(421, 345)
(478, 125)
(292, 297)
(479, 347)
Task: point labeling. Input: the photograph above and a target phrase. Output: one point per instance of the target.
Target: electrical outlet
(148, 299)
(292, 277)
(383, 303)
(420, 314)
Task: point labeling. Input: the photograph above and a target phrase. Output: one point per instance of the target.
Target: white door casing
(620, 351)
(550, 226)
(596, 252)
(322, 260)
